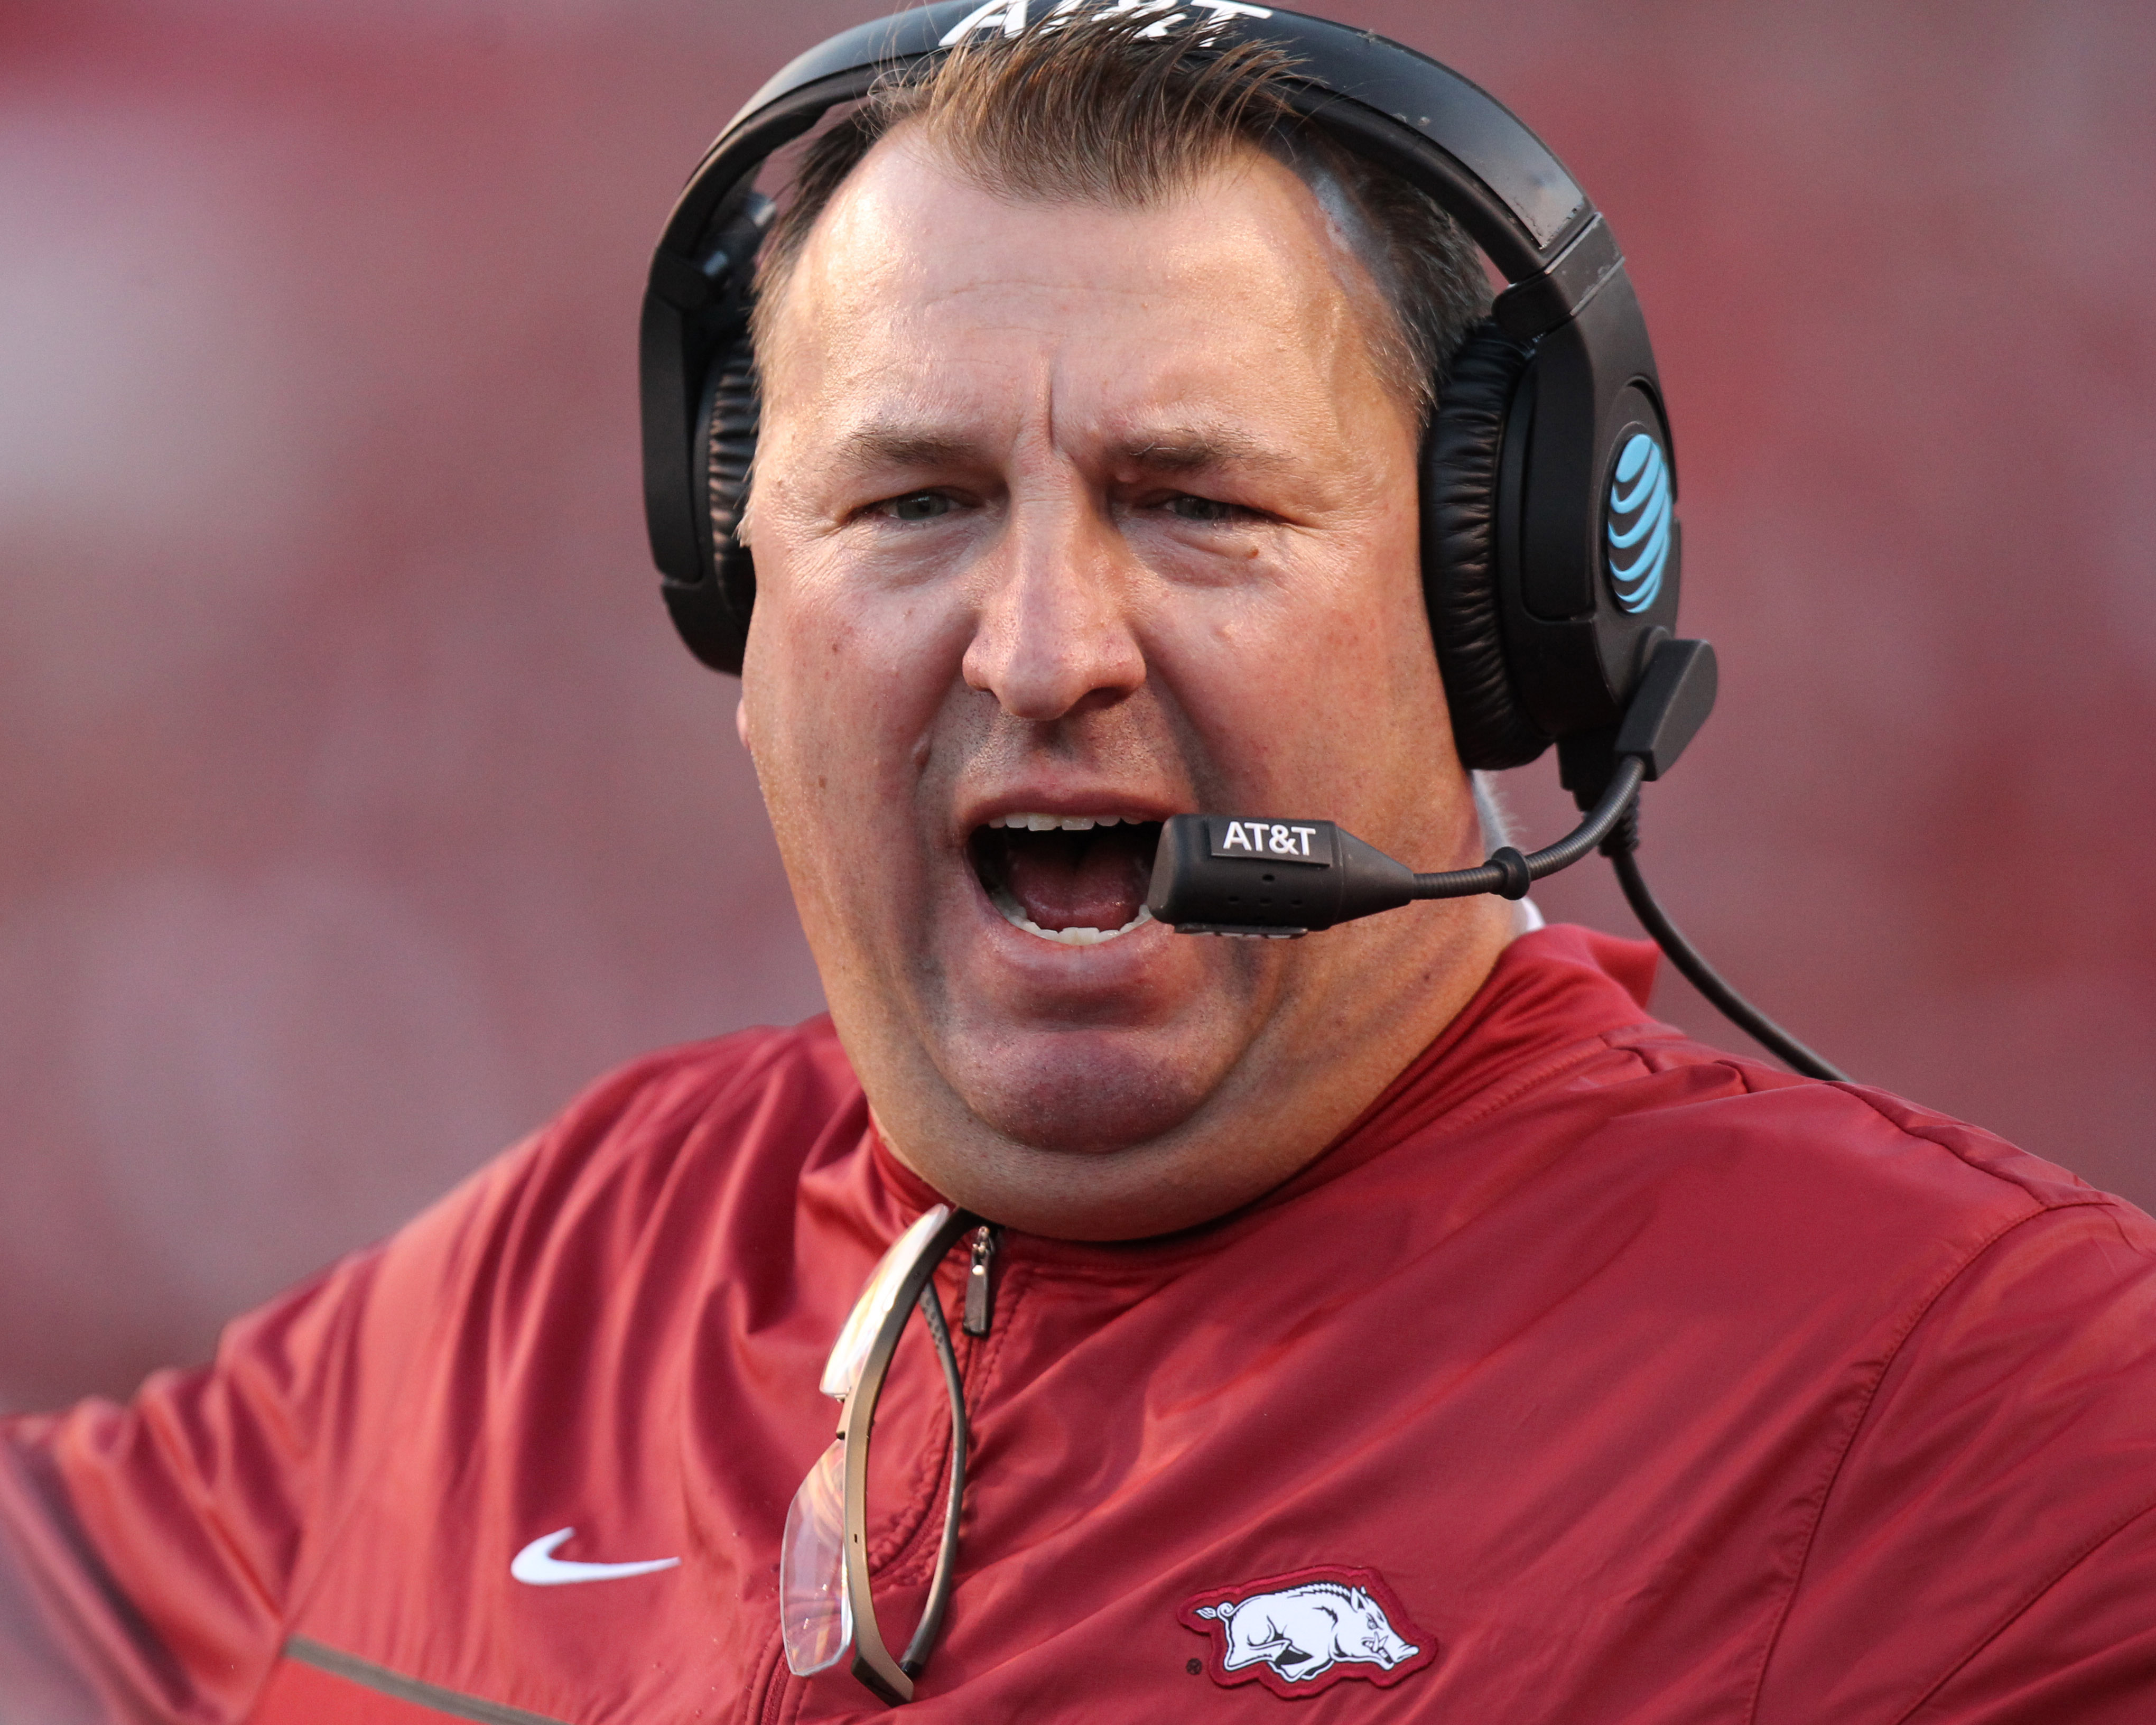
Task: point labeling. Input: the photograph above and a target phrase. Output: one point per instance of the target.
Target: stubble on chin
(1067, 1093)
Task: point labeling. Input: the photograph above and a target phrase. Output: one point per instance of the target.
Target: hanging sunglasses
(825, 1606)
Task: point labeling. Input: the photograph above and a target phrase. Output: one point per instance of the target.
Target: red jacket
(1622, 1380)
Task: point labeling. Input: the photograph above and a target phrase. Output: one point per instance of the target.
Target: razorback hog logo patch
(1301, 1634)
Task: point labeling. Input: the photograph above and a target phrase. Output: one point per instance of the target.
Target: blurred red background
(355, 806)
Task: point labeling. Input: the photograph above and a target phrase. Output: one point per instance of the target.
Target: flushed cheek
(839, 779)
(1348, 662)
(870, 903)
(1288, 712)
(860, 671)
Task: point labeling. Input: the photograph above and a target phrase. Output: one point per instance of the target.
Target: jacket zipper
(981, 1280)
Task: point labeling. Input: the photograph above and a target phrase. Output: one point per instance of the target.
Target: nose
(1054, 633)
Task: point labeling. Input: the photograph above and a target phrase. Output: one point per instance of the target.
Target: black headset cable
(1509, 874)
(1621, 846)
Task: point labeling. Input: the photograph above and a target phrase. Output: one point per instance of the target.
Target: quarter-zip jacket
(1627, 1380)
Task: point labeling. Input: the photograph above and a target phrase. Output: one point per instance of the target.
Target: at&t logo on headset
(1638, 510)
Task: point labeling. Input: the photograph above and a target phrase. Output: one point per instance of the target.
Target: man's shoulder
(1831, 1185)
(1566, 1054)
(785, 1089)
(1570, 1113)
(799, 1071)
(1705, 1104)
(670, 1132)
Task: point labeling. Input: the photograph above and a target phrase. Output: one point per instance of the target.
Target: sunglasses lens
(843, 1370)
(813, 1612)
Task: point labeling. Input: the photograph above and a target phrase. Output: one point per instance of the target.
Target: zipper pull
(980, 1281)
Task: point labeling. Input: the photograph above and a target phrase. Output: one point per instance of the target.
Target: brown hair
(1118, 114)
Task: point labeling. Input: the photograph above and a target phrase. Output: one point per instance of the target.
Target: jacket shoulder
(1854, 1137)
(703, 1090)
(683, 1129)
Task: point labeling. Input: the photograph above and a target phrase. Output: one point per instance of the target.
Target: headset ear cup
(1462, 458)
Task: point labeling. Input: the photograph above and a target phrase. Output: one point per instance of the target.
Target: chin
(1087, 1092)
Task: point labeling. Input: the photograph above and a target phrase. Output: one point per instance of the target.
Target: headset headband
(1514, 196)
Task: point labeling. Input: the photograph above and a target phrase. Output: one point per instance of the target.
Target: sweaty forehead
(914, 268)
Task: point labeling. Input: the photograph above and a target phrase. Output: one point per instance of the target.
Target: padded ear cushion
(737, 410)
(1462, 456)
(733, 406)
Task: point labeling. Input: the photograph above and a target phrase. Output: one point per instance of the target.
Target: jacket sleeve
(144, 1551)
(1986, 1550)
(149, 1553)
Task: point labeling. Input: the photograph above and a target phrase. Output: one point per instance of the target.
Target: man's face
(1077, 518)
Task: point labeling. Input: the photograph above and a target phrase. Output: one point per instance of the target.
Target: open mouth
(1077, 879)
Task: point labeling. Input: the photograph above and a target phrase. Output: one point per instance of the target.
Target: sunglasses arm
(890, 1681)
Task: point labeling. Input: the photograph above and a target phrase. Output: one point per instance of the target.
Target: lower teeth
(1015, 914)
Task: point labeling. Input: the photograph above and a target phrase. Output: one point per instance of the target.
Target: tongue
(1094, 880)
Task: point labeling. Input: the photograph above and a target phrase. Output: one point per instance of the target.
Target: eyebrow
(1192, 449)
(899, 445)
(1170, 449)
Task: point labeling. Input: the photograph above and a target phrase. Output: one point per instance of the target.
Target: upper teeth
(1054, 823)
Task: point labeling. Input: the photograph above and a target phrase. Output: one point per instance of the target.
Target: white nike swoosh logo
(536, 1565)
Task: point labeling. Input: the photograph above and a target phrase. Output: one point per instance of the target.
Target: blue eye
(919, 506)
(1200, 509)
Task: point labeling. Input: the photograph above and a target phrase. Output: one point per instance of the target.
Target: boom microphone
(1270, 878)
(1240, 875)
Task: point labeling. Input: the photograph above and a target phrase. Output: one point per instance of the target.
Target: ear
(740, 724)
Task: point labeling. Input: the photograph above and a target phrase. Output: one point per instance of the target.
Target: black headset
(1550, 539)
(1550, 543)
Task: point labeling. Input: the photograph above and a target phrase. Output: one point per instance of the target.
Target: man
(1398, 1319)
